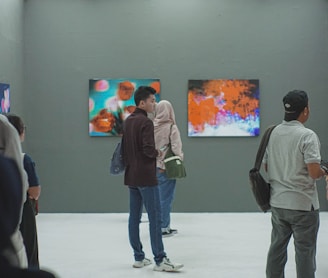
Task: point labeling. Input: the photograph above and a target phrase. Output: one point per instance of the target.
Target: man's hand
(34, 192)
(324, 165)
(315, 170)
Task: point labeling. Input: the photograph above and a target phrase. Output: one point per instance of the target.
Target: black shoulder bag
(261, 188)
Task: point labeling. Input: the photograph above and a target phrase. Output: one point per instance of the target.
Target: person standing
(11, 148)
(10, 213)
(140, 176)
(166, 132)
(292, 161)
(28, 224)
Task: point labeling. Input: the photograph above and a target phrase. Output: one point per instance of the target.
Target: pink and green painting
(111, 101)
(4, 98)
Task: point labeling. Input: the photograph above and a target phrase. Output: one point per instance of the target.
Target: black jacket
(139, 150)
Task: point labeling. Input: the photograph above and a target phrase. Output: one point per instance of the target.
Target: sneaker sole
(168, 235)
(168, 270)
(141, 266)
(137, 266)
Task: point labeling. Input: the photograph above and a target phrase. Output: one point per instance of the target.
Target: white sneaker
(169, 232)
(140, 264)
(166, 265)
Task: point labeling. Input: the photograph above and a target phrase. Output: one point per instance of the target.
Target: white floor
(218, 245)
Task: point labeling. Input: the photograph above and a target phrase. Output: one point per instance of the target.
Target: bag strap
(122, 146)
(170, 135)
(262, 147)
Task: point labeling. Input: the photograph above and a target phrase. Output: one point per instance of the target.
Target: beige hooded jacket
(164, 119)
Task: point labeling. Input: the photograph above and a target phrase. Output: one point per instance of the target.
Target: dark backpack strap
(170, 135)
(262, 147)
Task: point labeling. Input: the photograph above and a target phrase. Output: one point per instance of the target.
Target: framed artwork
(223, 107)
(4, 98)
(111, 101)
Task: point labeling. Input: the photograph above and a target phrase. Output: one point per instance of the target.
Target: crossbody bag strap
(262, 147)
(169, 144)
(170, 135)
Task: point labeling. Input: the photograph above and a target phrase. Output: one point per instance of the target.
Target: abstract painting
(4, 98)
(111, 101)
(223, 107)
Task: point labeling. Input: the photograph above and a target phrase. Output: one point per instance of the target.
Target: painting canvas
(223, 107)
(4, 98)
(111, 101)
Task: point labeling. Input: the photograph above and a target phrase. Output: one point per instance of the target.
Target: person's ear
(142, 103)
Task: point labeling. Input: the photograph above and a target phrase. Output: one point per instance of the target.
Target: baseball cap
(295, 102)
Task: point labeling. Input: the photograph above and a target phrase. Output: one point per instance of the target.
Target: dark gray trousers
(303, 225)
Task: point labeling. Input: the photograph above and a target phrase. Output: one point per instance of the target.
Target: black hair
(142, 93)
(17, 122)
(291, 116)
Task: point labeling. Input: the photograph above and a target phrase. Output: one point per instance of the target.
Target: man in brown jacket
(140, 175)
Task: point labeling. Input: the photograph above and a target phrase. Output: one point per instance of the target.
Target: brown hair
(17, 122)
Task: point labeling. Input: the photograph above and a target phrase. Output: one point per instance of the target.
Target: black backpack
(117, 165)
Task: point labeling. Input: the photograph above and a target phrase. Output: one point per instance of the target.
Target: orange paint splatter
(156, 85)
(235, 96)
(125, 90)
(103, 122)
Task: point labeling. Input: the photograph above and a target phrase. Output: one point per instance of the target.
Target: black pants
(29, 234)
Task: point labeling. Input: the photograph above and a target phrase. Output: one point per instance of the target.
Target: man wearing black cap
(292, 161)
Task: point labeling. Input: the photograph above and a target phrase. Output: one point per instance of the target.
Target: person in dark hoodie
(10, 210)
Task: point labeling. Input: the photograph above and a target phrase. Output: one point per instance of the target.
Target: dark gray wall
(11, 50)
(281, 42)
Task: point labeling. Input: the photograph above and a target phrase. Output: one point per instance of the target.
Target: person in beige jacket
(166, 132)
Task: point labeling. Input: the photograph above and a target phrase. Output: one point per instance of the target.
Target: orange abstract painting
(223, 107)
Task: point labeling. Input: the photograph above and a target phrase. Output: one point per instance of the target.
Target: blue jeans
(303, 225)
(149, 197)
(166, 192)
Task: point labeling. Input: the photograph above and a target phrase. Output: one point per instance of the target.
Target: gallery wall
(283, 43)
(11, 49)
